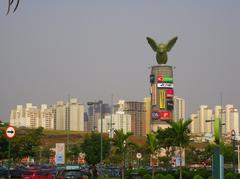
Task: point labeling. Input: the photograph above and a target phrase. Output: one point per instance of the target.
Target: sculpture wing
(171, 43)
(152, 43)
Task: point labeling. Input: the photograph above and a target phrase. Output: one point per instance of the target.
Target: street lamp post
(101, 140)
(233, 136)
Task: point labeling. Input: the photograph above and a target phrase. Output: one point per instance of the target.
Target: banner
(169, 93)
(165, 79)
(165, 85)
(60, 153)
(162, 102)
(169, 105)
(165, 115)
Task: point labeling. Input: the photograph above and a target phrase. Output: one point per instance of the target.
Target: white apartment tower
(195, 124)
(120, 120)
(179, 108)
(32, 117)
(75, 115)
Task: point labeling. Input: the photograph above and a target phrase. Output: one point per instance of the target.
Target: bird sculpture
(162, 49)
(10, 3)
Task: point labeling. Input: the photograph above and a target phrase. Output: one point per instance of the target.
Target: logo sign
(170, 105)
(60, 153)
(165, 115)
(10, 132)
(165, 79)
(169, 93)
(155, 115)
(165, 85)
(139, 155)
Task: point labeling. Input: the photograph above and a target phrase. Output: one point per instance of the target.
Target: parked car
(37, 174)
(72, 173)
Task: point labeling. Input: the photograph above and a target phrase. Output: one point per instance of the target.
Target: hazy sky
(92, 49)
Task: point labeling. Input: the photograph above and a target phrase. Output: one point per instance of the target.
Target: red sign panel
(160, 78)
(165, 116)
(169, 93)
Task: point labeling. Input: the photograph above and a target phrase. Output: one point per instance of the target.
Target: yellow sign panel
(162, 102)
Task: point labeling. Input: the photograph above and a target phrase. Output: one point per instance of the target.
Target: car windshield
(72, 173)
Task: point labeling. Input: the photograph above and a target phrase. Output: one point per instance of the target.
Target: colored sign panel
(155, 115)
(170, 105)
(60, 153)
(165, 115)
(169, 93)
(162, 102)
(10, 132)
(165, 85)
(165, 79)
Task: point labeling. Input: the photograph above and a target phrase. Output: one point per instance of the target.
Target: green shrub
(147, 176)
(159, 176)
(142, 171)
(168, 176)
(230, 175)
(197, 177)
(210, 177)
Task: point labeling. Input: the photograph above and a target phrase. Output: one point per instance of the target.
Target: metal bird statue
(10, 3)
(162, 49)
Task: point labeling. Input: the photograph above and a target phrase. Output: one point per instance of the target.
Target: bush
(147, 176)
(168, 176)
(230, 175)
(159, 176)
(210, 177)
(197, 177)
(142, 171)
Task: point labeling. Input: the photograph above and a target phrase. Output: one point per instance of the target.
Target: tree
(91, 147)
(120, 141)
(152, 147)
(181, 136)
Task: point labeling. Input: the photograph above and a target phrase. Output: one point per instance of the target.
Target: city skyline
(49, 50)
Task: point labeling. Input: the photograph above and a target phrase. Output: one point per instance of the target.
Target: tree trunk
(153, 171)
(180, 176)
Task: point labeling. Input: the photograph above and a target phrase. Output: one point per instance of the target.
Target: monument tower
(162, 89)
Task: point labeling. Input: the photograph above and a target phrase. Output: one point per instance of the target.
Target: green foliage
(152, 142)
(210, 177)
(142, 171)
(91, 146)
(230, 175)
(198, 177)
(159, 176)
(169, 176)
(147, 176)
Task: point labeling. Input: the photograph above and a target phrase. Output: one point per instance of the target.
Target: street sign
(10, 132)
(139, 155)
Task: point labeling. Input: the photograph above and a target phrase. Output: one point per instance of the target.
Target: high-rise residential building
(61, 115)
(120, 120)
(94, 114)
(148, 115)
(32, 117)
(137, 112)
(46, 118)
(195, 124)
(179, 108)
(75, 116)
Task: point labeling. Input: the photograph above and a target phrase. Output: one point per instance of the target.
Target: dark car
(73, 174)
(3, 172)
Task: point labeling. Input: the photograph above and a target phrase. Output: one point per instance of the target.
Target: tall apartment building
(148, 115)
(94, 114)
(120, 120)
(195, 124)
(60, 115)
(179, 108)
(137, 111)
(32, 117)
(203, 121)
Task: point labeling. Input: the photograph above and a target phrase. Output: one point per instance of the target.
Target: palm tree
(120, 141)
(181, 136)
(152, 147)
